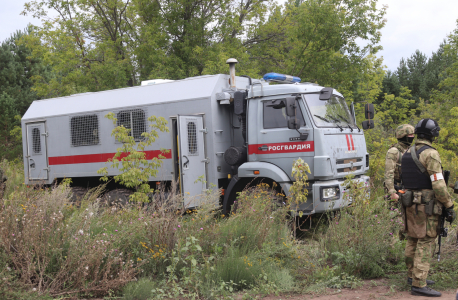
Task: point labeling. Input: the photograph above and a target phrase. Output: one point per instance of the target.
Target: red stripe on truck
(348, 142)
(99, 157)
(352, 143)
(281, 148)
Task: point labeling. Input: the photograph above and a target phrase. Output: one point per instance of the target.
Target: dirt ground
(369, 291)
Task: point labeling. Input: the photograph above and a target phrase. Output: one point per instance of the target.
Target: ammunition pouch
(428, 198)
(438, 207)
(429, 208)
(407, 198)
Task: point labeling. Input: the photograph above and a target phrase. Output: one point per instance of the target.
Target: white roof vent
(155, 81)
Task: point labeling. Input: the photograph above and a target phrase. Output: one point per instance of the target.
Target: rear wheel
(117, 197)
(77, 194)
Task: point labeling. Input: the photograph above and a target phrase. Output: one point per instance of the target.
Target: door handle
(185, 164)
(263, 148)
(32, 163)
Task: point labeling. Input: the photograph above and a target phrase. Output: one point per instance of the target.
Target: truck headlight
(329, 193)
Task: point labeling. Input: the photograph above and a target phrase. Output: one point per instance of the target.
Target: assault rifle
(443, 232)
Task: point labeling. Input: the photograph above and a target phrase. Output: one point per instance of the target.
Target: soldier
(424, 198)
(405, 135)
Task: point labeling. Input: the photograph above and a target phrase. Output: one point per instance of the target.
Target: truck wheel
(118, 197)
(77, 194)
(239, 184)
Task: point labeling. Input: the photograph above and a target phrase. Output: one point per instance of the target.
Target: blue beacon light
(281, 78)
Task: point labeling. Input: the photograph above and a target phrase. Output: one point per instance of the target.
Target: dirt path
(369, 291)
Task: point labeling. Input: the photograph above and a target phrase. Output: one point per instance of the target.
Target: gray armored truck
(228, 130)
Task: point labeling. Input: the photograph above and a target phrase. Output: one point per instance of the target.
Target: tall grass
(363, 238)
(163, 250)
(56, 248)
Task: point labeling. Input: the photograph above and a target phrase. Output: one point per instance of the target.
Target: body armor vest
(412, 177)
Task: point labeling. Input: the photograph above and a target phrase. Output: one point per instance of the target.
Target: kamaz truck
(227, 130)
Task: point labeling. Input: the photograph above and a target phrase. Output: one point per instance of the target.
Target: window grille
(135, 120)
(84, 130)
(36, 142)
(192, 138)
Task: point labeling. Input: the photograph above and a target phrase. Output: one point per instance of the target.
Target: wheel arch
(268, 173)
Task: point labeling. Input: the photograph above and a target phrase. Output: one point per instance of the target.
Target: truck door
(277, 144)
(37, 156)
(192, 158)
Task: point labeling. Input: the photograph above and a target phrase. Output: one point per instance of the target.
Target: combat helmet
(427, 128)
(404, 130)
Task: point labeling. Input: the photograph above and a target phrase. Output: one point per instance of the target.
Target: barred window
(36, 142)
(84, 130)
(192, 138)
(135, 120)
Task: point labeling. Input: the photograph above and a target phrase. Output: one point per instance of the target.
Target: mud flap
(228, 197)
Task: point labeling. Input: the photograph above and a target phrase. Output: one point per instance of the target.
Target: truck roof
(179, 90)
(262, 88)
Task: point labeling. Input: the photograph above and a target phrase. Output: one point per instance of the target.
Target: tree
(17, 68)
(130, 159)
(104, 44)
(89, 45)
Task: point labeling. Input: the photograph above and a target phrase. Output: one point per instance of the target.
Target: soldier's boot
(424, 291)
(428, 282)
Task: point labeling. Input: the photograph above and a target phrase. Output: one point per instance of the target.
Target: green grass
(133, 251)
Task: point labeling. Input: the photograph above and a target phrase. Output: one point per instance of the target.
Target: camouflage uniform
(393, 166)
(418, 250)
(393, 158)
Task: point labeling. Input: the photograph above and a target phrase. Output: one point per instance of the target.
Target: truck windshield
(331, 113)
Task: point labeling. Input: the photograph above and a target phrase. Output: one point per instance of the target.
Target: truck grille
(349, 165)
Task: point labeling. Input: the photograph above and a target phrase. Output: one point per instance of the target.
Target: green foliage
(101, 44)
(88, 44)
(361, 238)
(298, 190)
(17, 68)
(130, 159)
(394, 111)
(337, 279)
(139, 290)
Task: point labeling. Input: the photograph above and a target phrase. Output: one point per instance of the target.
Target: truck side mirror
(291, 106)
(326, 93)
(455, 188)
(368, 124)
(369, 111)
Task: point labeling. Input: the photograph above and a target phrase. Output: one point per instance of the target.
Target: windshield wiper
(348, 123)
(359, 130)
(336, 120)
(322, 118)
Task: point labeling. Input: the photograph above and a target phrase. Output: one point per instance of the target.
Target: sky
(411, 25)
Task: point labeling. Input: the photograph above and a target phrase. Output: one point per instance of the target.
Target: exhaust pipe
(231, 62)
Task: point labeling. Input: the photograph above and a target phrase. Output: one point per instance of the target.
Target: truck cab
(325, 136)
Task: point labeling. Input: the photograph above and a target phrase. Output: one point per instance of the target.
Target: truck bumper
(315, 202)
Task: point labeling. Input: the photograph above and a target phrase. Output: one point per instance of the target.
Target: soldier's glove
(450, 214)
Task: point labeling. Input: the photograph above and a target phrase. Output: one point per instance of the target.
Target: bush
(363, 238)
